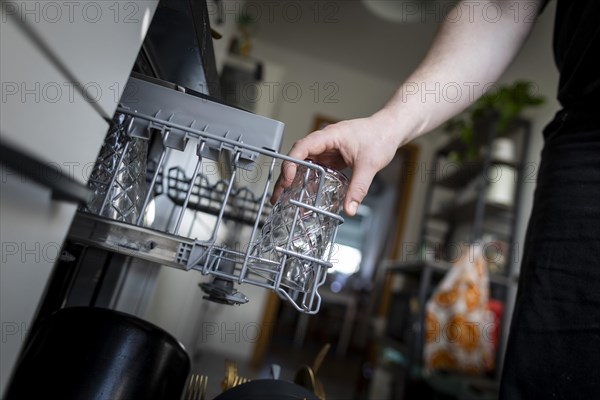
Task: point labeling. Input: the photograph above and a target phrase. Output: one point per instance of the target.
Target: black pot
(84, 353)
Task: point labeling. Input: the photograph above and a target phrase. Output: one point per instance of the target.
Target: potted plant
(504, 106)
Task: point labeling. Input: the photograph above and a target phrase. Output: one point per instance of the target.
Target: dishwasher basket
(173, 122)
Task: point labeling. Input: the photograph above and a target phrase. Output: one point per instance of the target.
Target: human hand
(366, 145)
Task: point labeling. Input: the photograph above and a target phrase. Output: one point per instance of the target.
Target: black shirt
(577, 54)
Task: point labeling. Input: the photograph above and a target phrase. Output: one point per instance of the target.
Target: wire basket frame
(224, 200)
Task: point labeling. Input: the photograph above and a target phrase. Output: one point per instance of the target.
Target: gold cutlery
(196, 389)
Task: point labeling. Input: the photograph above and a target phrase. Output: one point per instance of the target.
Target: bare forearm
(472, 48)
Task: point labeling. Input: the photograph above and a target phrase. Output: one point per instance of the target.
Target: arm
(469, 52)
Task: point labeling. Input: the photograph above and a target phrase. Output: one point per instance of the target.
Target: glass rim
(332, 171)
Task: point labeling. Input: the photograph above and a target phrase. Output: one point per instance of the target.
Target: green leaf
(507, 101)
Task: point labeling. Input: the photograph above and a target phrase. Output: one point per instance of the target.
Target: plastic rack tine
(189, 192)
(154, 177)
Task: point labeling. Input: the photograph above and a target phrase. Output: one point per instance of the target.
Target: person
(553, 349)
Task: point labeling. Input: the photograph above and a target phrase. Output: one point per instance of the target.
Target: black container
(267, 389)
(84, 353)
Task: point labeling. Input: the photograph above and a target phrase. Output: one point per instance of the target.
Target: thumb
(359, 186)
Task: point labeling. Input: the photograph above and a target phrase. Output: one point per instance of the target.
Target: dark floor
(339, 376)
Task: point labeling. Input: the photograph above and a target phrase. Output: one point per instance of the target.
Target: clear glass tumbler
(119, 175)
(312, 233)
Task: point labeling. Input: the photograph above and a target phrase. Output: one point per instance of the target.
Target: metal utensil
(197, 387)
(239, 380)
(232, 379)
(319, 390)
(230, 375)
(320, 357)
(279, 389)
(305, 377)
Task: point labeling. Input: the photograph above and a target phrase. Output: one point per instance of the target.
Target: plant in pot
(504, 106)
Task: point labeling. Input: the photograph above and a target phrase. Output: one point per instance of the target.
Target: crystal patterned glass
(119, 175)
(312, 234)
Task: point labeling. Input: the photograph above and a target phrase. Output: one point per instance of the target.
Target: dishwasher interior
(217, 165)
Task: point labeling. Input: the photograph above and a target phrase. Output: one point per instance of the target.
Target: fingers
(285, 179)
(312, 145)
(345, 144)
(362, 177)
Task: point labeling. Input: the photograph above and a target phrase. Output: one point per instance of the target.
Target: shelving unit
(477, 209)
(465, 219)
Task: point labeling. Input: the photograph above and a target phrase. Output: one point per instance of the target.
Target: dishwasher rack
(245, 206)
(223, 199)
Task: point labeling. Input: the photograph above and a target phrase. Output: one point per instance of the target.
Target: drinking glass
(119, 175)
(311, 231)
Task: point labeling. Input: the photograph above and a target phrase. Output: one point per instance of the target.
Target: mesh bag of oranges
(459, 326)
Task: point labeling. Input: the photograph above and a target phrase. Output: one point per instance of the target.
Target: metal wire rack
(243, 205)
(223, 199)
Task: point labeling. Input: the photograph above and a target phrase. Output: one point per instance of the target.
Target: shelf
(454, 144)
(459, 175)
(401, 348)
(466, 211)
(468, 386)
(457, 144)
(466, 214)
(440, 268)
(416, 267)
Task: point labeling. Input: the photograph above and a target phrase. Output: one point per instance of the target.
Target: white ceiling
(347, 33)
